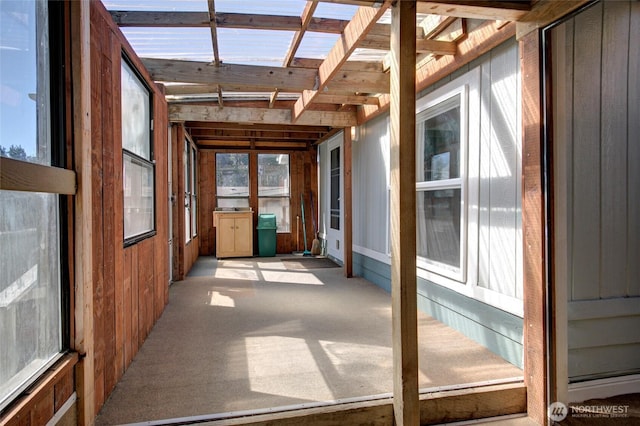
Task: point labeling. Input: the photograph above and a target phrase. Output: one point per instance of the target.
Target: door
(334, 213)
(170, 203)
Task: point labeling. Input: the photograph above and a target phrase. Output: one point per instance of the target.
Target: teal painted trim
(372, 270)
(497, 330)
(476, 320)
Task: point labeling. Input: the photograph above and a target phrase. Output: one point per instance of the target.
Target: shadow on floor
(246, 334)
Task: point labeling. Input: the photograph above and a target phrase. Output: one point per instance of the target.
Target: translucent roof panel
(268, 7)
(316, 45)
(156, 5)
(192, 44)
(334, 11)
(253, 47)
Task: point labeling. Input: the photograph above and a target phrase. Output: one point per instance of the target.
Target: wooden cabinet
(234, 233)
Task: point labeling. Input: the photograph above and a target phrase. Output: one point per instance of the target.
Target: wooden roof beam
(257, 127)
(346, 99)
(507, 10)
(363, 20)
(182, 112)
(267, 78)
(545, 12)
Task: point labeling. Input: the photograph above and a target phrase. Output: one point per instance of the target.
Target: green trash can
(266, 234)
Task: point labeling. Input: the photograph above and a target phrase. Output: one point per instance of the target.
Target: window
(33, 327)
(232, 180)
(190, 189)
(440, 186)
(273, 188)
(334, 220)
(137, 157)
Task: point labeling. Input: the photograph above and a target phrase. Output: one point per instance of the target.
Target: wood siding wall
(596, 80)
(304, 179)
(130, 284)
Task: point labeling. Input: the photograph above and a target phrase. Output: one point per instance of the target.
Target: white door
(334, 205)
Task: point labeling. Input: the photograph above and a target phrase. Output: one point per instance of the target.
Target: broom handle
(297, 233)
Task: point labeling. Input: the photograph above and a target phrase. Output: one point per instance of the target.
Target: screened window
(232, 180)
(32, 323)
(273, 188)
(334, 220)
(440, 187)
(190, 190)
(137, 157)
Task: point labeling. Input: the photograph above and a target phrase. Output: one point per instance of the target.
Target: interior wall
(130, 284)
(302, 169)
(596, 80)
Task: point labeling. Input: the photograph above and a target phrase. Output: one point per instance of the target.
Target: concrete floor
(257, 333)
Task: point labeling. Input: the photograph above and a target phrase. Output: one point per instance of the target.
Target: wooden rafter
(307, 14)
(214, 43)
(354, 32)
(256, 126)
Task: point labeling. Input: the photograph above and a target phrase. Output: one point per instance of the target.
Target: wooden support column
(403, 214)
(348, 201)
(82, 336)
(533, 225)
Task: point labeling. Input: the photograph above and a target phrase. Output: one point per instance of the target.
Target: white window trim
(470, 174)
(445, 93)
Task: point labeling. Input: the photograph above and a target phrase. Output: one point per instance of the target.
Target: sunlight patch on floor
(237, 274)
(218, 299)
(291, 277)
(279, 365)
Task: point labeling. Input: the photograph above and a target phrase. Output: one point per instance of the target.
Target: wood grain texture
(348, 203)
(533, 219)
(18, 175)
(403, 217)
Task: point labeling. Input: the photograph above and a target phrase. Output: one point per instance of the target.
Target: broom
(304, 228)
(315, 245)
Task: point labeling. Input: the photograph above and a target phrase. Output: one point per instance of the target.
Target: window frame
(149, 163)
(276, 197)
(189, 156)
(49, 177)
(249, 180)
(423, 108)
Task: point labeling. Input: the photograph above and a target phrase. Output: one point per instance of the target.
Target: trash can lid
(266, 221)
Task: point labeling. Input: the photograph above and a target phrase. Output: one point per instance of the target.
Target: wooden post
(533, 220)
(82, 336)
(348, 221)
(403, 214)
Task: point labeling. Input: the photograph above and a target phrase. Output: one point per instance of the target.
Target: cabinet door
(225, 236)
(244, 236)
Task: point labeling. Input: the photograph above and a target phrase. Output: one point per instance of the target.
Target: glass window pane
(24, 81)
(335, 189)
(138, 196)
(136, 114)
(273, 175)
(441, 156)
(279, 207)
(232, 175)
(439, 226)
(232, 202)
(30, 289)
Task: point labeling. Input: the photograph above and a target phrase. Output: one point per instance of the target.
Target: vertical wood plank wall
(130, 284)
(302, 168)
(597, 177)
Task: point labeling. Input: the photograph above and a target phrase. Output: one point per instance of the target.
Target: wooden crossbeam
(182, 112)
(374, 66)
(478, 9)
(257, 127)
(347, 99)
(363, 20)
(287, 79)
